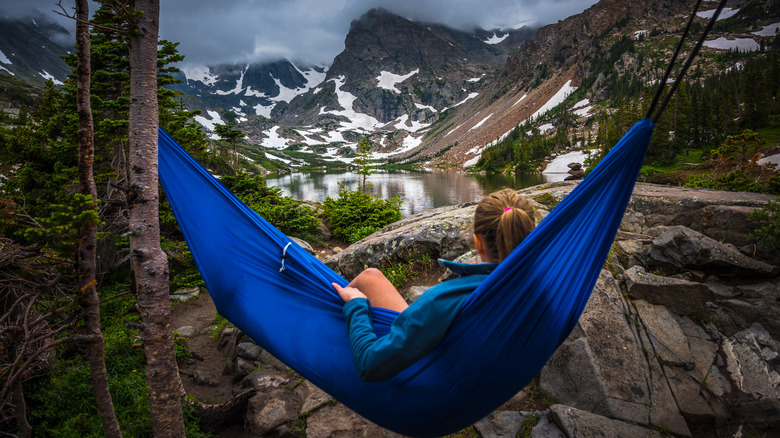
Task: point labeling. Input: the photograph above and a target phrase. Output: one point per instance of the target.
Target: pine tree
(362, 160)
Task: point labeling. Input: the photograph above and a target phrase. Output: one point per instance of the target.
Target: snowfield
(4, 59)
(558, 168)
(556, 100)
(480, 123)
(495, 39)
(46, 75)
(359, 121)
(199, 73)
(209, 123)
(738, 44)
(388, 80)
(770, 30)
(724, 14)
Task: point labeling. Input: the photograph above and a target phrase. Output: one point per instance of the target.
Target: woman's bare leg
(379, 290)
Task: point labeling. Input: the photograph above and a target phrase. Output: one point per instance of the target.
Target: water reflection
(419, 191)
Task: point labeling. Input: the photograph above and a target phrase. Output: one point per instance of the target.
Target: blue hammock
(502, 337)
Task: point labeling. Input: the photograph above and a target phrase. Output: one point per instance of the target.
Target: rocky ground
(679, 338)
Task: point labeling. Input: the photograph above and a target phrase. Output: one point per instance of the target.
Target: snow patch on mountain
(239, 85)
(770, 30)
(470, 96)
(556, 100)
(421, 106)
(199, 73)
(358, 121)
(46, 75)
(519, 100)
(409, 143)
(724, 14)
(495, 39)
(403, 122)
(388, 80)
(274, 140)
(546, 127)
(738, 44)
(558, 168)
(4, 59)
(480, 123)
(209, 123)
(582, 108)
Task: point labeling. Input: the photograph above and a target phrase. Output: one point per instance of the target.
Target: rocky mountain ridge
(432, 96)
(30, 48)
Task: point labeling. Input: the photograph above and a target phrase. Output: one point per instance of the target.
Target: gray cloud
(313, 31)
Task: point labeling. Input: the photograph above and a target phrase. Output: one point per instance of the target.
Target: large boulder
(680, 247)
(440, 232)
(598, 368)
(681, 296)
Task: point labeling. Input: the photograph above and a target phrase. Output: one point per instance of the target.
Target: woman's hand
(348, 293)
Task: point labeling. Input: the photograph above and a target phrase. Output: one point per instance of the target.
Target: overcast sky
(214, 32)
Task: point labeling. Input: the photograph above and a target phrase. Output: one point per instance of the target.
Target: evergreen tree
(363, 158)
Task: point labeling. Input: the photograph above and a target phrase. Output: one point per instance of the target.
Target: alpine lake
(420, 191)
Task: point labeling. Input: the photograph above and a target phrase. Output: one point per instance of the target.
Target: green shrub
(283, 212)
(769, 216)
(354, 215)
(62, 403)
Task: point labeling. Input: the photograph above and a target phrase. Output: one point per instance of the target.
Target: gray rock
(704, 348)
(312, 396)
(248, 350)
(582, 424)
(244, 367)
(750, 357)
(632, 222)
(268, 410)
(680, 247)
(337, 421)
(601, 367)
(440, 232)
(415, 292)
(185, 294)
(545, 428)
(303, 244)
(680, 296)
(669, 342)
(263, 381)
(187, 331)
(271, 362)
(500, 424)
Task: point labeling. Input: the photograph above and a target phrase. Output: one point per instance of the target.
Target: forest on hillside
(739, 104)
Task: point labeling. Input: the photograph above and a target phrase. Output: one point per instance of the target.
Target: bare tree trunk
(25, 430)
(87, 293)
(149, 263)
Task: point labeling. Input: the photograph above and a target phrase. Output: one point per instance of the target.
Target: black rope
(671, 63)
(688, 63)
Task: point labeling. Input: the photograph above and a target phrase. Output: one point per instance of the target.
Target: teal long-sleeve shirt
(416, 331)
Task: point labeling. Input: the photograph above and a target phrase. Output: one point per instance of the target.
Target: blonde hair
(503, 219)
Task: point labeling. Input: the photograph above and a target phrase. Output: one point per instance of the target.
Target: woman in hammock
(501, 221)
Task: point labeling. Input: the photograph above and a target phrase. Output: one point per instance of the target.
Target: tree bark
(148, 263)
(87, 293)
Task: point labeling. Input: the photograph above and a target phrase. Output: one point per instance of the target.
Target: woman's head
(502, 220)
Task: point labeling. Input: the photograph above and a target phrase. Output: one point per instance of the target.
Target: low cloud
(311, 31)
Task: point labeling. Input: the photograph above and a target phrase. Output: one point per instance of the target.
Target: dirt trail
(207, 359)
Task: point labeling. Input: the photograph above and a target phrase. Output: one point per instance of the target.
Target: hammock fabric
(502, 337)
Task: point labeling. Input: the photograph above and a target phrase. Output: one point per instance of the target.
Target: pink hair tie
(507, 209)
